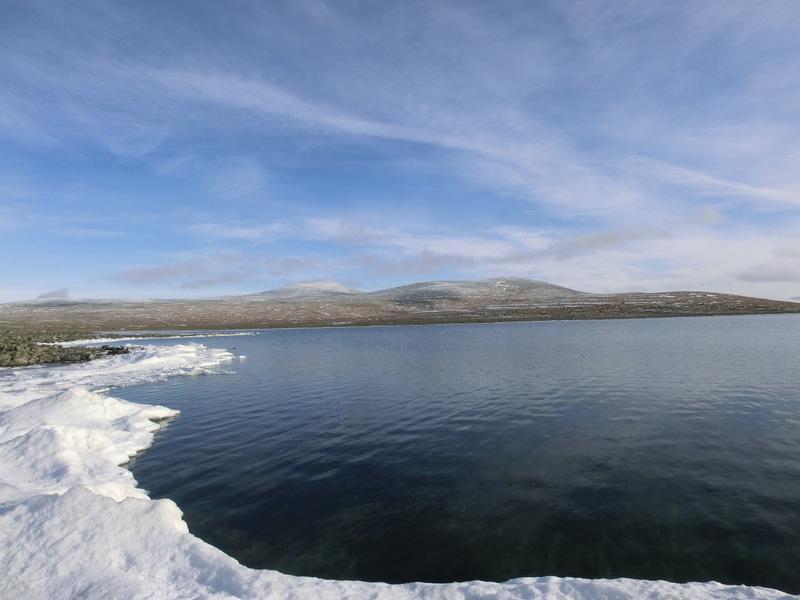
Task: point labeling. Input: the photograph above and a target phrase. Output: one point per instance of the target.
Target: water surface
(656, 449)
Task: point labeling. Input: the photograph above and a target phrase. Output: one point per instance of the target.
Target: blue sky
(191, 148)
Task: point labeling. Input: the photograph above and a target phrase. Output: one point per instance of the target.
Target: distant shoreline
(181, 332)
(79, 326)
(425, 303)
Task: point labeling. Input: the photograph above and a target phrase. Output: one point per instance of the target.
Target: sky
(191, 149)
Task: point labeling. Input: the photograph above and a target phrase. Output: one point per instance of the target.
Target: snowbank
(144, 338)
(73, 522)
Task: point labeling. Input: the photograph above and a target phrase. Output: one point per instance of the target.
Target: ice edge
(73, 521)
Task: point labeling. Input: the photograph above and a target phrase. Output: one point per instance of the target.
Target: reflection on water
(657, 449)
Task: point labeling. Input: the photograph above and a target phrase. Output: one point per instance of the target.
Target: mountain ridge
(326, 303)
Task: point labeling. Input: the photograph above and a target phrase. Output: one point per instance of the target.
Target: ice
(144, 338)
(151, 363)
(74, 438)
(73, 522)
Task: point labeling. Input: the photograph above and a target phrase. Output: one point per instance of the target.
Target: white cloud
(241, 231)
(60, 293)
(704, 184)
(676, 255)
(238, 178)
(624, 144)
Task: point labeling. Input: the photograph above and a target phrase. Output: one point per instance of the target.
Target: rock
(21, 350)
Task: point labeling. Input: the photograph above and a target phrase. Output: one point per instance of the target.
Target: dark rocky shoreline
(26, 349)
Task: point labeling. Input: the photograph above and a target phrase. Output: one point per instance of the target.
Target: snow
(309, 290)
(117, 340)
(74, 523)
(319, 286)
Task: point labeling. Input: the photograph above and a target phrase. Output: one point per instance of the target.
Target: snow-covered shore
(145, 337)
(74, 524)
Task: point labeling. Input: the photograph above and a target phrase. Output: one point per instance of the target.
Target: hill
(331, 304)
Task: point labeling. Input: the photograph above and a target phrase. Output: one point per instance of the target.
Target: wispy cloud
(772, 272)
(602, 144)
(241, 231)
(208, 270)
(705, 184)
(237, 178)
(205, 271)
(60, 293)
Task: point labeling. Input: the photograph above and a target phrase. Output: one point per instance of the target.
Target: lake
(654, 449)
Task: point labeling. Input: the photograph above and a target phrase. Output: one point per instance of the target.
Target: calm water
(658, 449)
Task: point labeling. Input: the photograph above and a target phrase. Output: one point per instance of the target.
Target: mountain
(312, 290)
(501, 289)
(332, 304)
